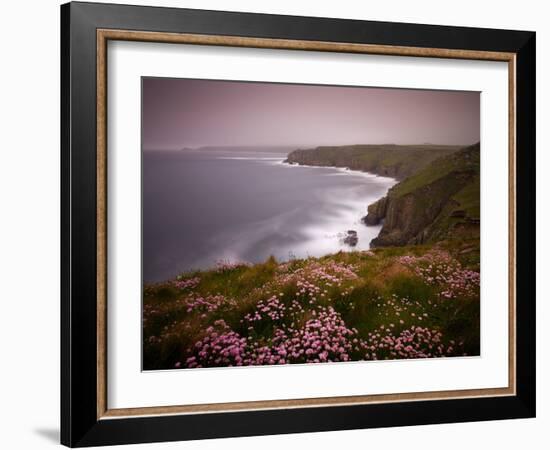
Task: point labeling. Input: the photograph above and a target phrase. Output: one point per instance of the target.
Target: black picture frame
(80, 425)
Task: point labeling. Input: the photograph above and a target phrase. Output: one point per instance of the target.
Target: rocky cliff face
(439, 202)
(436, 199)
(376, 212)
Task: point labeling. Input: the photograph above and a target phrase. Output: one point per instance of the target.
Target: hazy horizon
(191, 113)
(296, 147)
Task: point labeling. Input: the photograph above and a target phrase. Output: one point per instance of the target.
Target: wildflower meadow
(382, 304)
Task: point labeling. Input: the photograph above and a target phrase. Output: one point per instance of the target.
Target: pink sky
(192, 113)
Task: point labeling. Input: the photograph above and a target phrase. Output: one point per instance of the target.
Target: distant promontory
(395, 161)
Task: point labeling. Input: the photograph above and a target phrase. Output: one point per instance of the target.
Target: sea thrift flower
(220, 347)
(210, 303)
(224, 265)
(299, 315)
(272, 309)
(438, 269)
(190, 283)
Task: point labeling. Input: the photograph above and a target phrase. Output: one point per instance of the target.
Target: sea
(203, 207)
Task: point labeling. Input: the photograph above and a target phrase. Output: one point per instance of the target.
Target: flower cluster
(314, 280)
(411, 343)
(306, 311)
(461, 283)
(221, 347)
(437, 268)
(210, 303)
(189, 283)
(323, 339)
(271, 309)
(225, 265)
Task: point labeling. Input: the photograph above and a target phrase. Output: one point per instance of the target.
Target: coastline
(355, 172)
(360, 206)
(257, 313)
(343, 169)
(436, 197)
(268, 209)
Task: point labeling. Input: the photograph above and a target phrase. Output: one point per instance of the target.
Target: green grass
(385, 292)
(466, 159)
(399, 161)
(438, 203)
(468, 198)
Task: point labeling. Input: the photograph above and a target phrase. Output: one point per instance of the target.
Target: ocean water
(200, 207)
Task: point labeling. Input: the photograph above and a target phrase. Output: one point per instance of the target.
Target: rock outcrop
(376, 212)
(351, 238)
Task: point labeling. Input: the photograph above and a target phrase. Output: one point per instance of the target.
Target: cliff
(439, 202)
(396, 161)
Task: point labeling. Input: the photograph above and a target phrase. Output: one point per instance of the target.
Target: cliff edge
(396, 161)
(439, 202)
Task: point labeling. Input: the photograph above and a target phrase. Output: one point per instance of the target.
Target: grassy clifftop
(397, 161)
(439, 202)
(391, 303)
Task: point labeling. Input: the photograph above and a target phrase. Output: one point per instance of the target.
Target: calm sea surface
(203, 207)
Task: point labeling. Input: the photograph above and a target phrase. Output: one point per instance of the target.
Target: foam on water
(204, 207)
(343, 210)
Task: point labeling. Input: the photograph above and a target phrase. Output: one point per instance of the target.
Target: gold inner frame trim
(103, 36)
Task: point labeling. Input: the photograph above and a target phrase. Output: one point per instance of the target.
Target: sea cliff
(395, 161)
(436, 199)
(440, 202)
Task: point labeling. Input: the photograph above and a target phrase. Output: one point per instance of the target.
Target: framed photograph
(276, 224)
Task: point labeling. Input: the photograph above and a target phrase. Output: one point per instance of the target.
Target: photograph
(295, 224)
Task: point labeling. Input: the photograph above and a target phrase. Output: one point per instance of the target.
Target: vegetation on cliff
(436, 199)
(439, 202)
(392, 303)
(396, 161)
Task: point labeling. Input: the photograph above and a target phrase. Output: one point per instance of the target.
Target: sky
(179, 113)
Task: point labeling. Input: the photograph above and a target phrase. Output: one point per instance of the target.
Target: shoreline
(357, 206)
(436, 197)
(335, 223)
(341, 169)
(355, 172)
(321, 229)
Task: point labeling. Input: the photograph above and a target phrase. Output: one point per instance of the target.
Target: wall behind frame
(29, 236)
